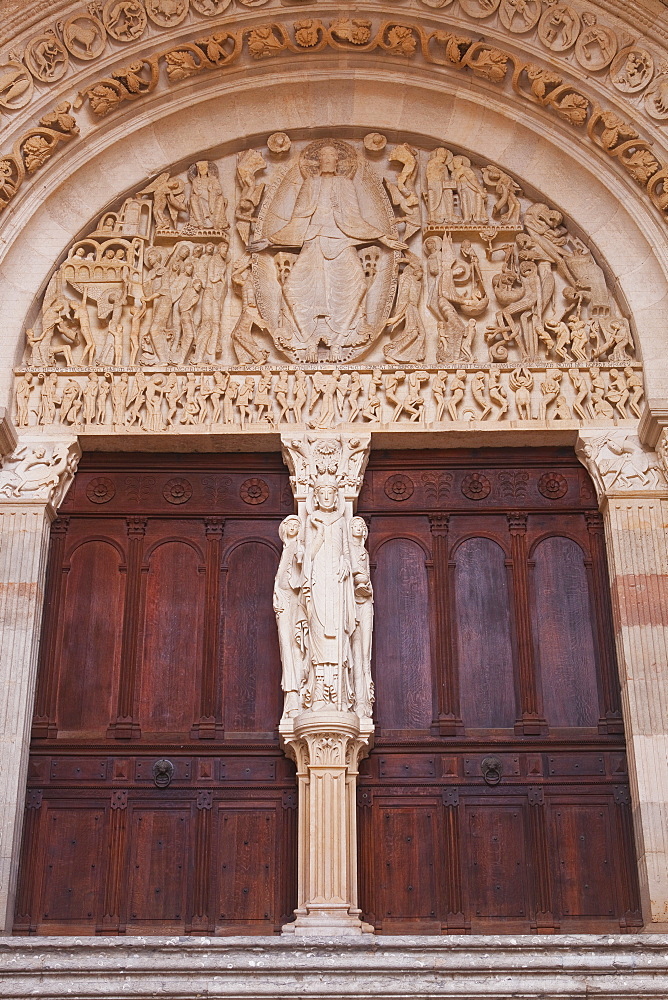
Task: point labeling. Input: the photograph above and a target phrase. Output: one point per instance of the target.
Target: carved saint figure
(361, 638)
(289, 611)
(208, 205)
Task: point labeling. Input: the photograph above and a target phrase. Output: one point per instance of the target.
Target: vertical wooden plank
(484, 644)
(44, 723)
(563, 635)
(172, 638)
(251, 660)
(404, 690)
(208, 726)
(532, 722)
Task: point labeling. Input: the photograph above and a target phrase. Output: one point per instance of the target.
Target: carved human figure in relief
(326, 287)
(208, 204)
(329, 601)
(290, 613)
(361, 638)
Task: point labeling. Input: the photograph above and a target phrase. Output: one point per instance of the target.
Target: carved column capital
(40, 470)
(620, 465)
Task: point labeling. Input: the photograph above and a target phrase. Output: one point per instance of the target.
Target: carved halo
(309, 160)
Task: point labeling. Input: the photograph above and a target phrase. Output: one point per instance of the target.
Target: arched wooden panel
(402, 648)
(251, 665)
(91, 637)
(563, 633)
(483, 630)
(173, 617)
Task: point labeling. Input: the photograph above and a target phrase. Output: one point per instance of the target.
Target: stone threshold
(471, 967)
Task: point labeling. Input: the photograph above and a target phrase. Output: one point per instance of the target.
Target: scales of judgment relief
(322, 283)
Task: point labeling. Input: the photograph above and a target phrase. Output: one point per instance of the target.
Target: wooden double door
(496, 797)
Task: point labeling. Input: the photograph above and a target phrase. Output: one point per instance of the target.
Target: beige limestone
(559, 967)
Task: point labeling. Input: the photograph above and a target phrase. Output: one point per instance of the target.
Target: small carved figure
(507, 208)
(247, 350)
(361, 638)
(497, 393)
(410, 345)
(119, 395)
(208, 204)
(478, 391)
(168, 200)
(291, 614)
(439, 388)
(521, 382)
(457, 388)
(635, 386)
(581, 389)
(440, 195)
(23, 391)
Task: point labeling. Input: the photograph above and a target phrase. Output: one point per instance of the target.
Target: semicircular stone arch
(525, 152)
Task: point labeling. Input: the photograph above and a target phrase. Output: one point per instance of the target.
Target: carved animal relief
(324, 283)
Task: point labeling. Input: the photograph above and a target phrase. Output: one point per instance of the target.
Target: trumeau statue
(361, 283)
(322, 596)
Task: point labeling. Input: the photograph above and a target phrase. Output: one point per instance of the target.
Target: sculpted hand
(393, 244)
(256, 245)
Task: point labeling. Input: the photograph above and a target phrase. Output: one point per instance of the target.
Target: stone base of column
(327, 746)
(328, 922)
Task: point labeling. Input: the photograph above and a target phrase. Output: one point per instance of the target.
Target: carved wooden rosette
(328, 741)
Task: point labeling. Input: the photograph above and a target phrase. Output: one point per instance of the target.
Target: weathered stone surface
(465, 968)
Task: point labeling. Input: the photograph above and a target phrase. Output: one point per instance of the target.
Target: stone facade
(250, 226)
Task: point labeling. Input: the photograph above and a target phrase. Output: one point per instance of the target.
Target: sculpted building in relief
(325, 283)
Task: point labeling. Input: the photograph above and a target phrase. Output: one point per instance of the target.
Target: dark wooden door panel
(409, 866)
(251, 667)
(90, 640)
(506, 635)
(172, 621)
(564, 634)
(248, 835)
(484, 640)
(401, 639)
(69, 865)
(587, 871)
(157, 875)
(496, 860)
(160, 644)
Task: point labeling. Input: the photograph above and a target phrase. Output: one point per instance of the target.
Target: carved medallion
(209, 8)
(125, 20)
(399, 488)
(656, 99)
(167, 13)
(16, 86)
(519, 16)
(552, 485)
(177, 491)
(84, 36)
(479, 8)
(46, 57)
(100, 490)
(559, 27)
(596, 47)
(632, 70)
(476, 486)
(254, 491)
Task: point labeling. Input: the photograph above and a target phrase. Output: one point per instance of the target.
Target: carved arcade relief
(325, 283)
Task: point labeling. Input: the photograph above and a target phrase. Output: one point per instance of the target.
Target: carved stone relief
(361, 283)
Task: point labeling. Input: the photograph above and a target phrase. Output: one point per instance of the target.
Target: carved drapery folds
(323, 601)
(328, 282)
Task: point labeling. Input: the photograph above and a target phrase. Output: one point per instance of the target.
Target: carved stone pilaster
(631, 485)
(324, 609)
(33, 481)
